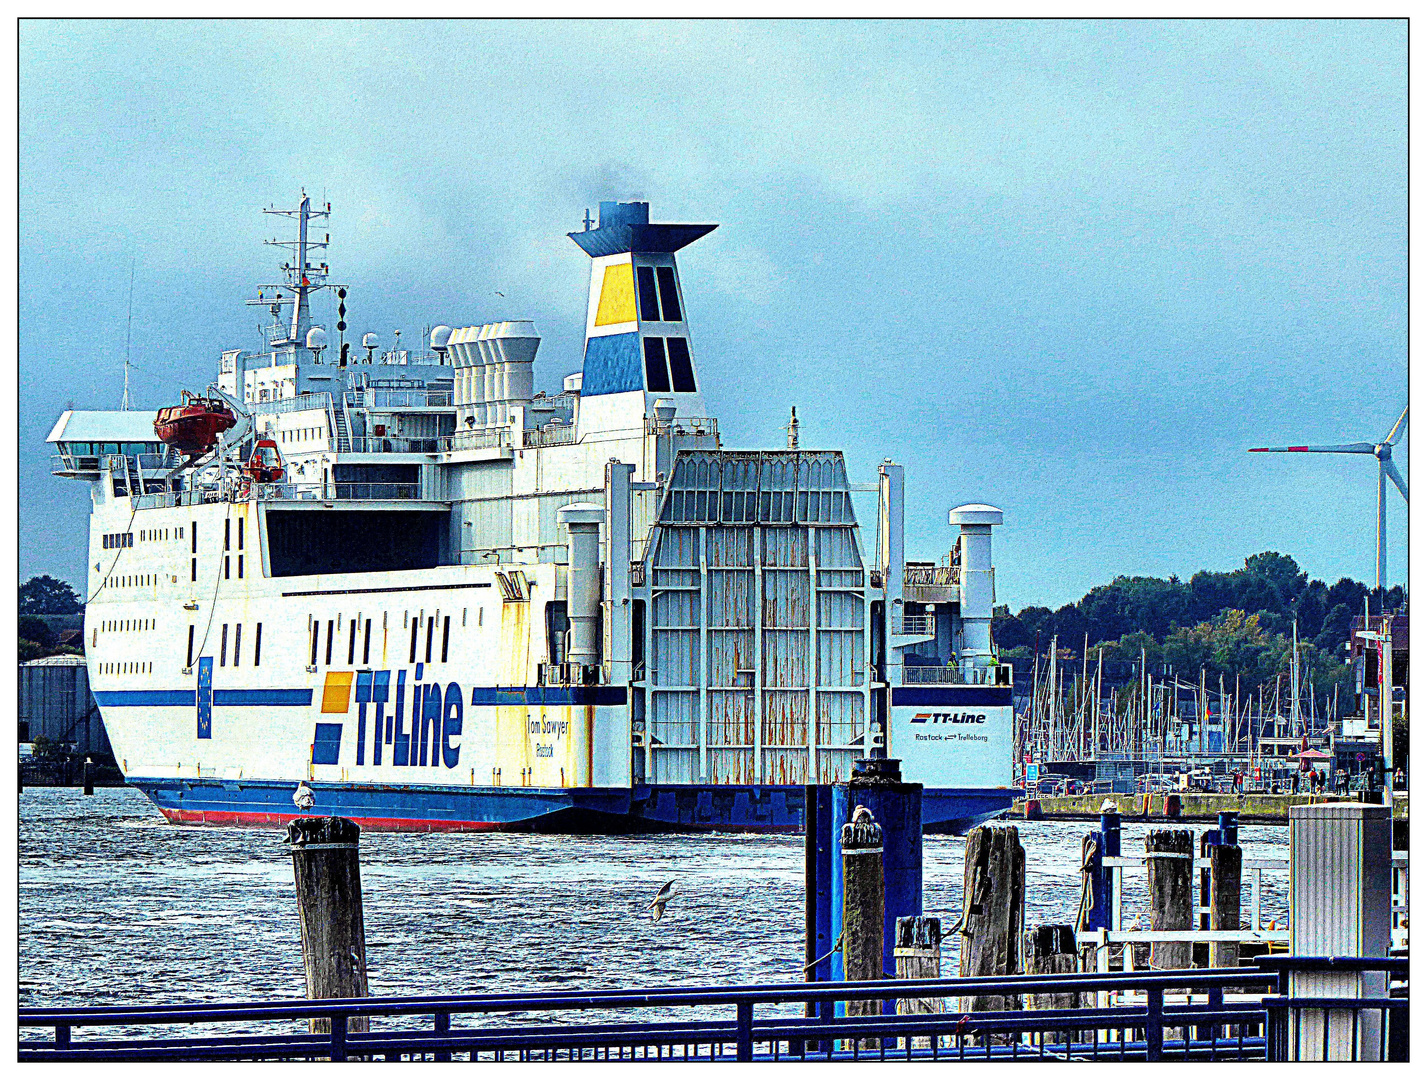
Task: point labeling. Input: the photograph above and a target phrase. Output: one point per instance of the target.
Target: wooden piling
(1050, 950)
(1226, 863)
(994, 899)
(918, 956)
(89, 776)
(863, 906)
(327, 869)
(1170, 865)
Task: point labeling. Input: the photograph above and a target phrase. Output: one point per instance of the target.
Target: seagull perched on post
(661, 899)
(304, 797)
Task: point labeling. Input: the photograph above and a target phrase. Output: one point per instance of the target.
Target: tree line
(1235, 623)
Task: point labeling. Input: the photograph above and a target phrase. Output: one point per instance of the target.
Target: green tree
(44, 595)
(33, 628)
(30, 650)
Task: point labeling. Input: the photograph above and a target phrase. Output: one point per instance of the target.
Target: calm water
(117, 906)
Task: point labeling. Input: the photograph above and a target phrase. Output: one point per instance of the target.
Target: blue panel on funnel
(612, 365)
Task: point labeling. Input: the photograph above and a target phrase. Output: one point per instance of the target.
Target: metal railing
(377, 398)
(386, 444)
(556, 435)
(931, 575)
(920, 675)
(1164, 1015)
(682, 425)
(301, 403)
(482, 439)
(918, 626)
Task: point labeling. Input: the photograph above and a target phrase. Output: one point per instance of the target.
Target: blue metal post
(1107, 844)
(897, 808)
(1228, 827)
(822, 915)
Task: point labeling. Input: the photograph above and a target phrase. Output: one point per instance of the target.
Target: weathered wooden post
(89, 776)
(1050, 950)
(994, 900)
(1226, 862)
(863, 903)
(327, 870)
(1170, 864)
(918, 956)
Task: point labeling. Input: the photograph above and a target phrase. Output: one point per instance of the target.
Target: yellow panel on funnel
(616, 295)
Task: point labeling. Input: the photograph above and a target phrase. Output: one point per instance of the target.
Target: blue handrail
(827, 1036)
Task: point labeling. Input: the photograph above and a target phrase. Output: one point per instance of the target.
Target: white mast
(128, 332)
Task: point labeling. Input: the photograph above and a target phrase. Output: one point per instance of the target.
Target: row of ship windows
(130, 581)
(237, 645)
(125, 625)
(416, 622)
(126, 539)
(298, 434)
(132, 667)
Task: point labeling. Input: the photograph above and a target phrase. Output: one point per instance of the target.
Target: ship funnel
(978, 586)
(636, 335)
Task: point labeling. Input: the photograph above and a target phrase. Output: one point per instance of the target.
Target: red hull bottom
(260, 820)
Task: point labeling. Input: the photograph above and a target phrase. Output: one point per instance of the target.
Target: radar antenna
(301, 277)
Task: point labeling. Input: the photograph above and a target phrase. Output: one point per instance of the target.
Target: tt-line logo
(949, 718)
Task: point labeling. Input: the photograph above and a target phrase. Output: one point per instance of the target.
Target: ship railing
(1227, 1014)
(378, 398)
(931, 575)
(929, 675)
(340, 491)
(918, 625)
(159, 500)
(481, 439)
(682, 425)
(552, 435)
(386, 444)
(301, 403)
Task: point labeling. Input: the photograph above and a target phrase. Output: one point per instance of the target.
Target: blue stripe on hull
(660, 808)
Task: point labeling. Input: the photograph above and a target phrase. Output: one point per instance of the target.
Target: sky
(1073, 269)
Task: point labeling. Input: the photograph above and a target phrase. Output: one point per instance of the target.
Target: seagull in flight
(304, 797)
(661, 899)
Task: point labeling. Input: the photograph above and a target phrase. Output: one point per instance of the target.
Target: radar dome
(317, 339)
(440, 337)
(369, 341)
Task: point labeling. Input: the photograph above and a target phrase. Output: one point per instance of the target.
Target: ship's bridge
(90, 443)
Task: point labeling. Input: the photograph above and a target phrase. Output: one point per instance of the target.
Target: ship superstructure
(469, 605)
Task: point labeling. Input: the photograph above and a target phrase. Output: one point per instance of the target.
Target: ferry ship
(400, 586)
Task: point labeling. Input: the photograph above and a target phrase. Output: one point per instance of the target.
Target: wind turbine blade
(1396, 477)
(1341, 448)
(1396, 432)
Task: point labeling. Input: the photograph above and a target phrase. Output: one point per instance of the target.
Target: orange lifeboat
(195, 425)
(265, 465)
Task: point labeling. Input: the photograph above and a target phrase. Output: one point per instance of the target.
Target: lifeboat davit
(194, 426)
(265, 465)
